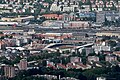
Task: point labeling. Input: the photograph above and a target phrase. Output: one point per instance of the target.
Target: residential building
(48, 77)
(75, 59)
(89, 51)
(52, 16)
(65, 7)
(50, 64)
(107, 33)
(24, 1)
(99, 48)
(101, 78)
(9, 71)
(23, 64)
(61, 66)
(54, 7)
(111, 16)
(110, 58)
(68, 17)
(87, 16)
(85, 8)
(68, 78)
(100, 17)
(93, 58)
(18, 19)
(78, 24)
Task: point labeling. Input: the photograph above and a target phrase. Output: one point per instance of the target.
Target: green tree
(2, 37)
(48, 1)
(112, 43)
(93, 73)
(84, 60)
(117, 49)
(1, 32)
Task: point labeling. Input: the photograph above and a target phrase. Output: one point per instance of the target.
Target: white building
(99, 48)
(93, 58)
(75, 59)
(63, 7)
(110, 58)
(101, 78)
(54, 7)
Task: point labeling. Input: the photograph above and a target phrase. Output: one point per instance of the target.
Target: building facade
(23, 64)
(9, 71)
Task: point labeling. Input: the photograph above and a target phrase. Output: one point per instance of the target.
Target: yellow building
(18, 19)
(111, 34)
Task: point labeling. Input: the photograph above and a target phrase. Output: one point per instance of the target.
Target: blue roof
(111, 14)
(87, 14)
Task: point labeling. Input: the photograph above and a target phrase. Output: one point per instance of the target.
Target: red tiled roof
(2, 42)
(82, 65)
(49, 65)
(71, 65)
(62, 66)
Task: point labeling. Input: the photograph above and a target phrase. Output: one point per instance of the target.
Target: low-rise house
(87, 16)
(68, 78)
(98, 64)
(107, 52)
(101, 78)
(48, 77)
(61, 66)
(4, 44)
(18, 19)
(82, 66)
(46, 5)
(85, 8)
(112, 16)
(89, 51)
(100, 17)
(94, 7)
(110, 58)
(79, 24)
(108, 33)
(75, 59)
(52, 16)
(71, 66)
(51, 64)
(99, 48)
(63, 7)
(69, 17)
(117, 53)
(93, 58)
(78, 66)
